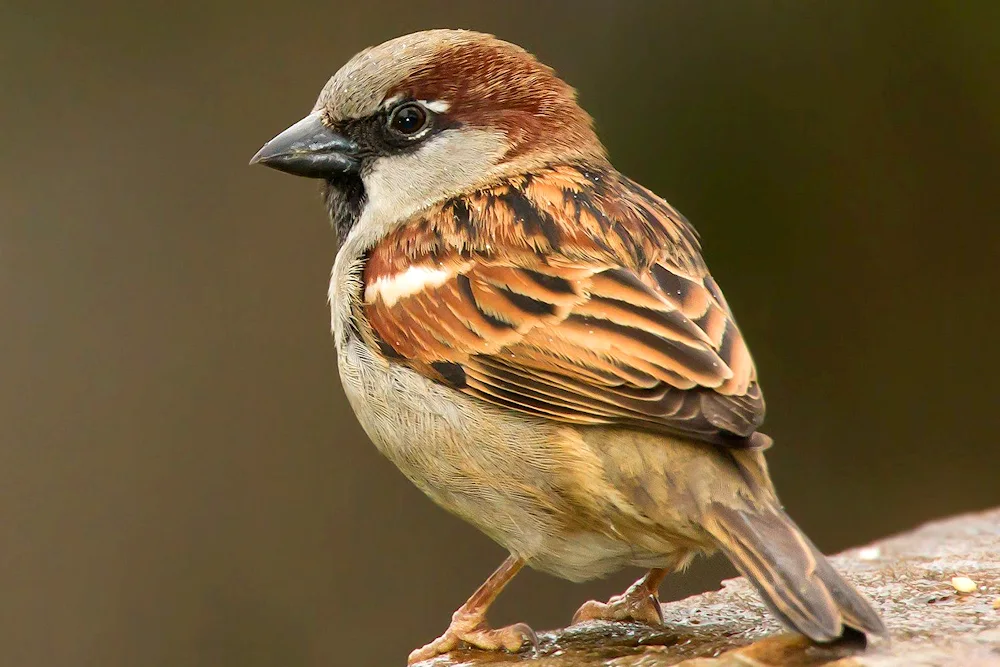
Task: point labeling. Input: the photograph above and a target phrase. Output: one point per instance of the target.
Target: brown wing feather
(571, 294)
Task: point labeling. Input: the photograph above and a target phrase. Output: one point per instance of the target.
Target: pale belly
(527, 483)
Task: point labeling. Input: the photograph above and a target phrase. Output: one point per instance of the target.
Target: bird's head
(429, 116)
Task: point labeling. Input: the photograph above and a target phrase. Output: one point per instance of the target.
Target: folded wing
(572, 295)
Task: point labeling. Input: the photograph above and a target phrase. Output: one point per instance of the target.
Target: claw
(528, 636)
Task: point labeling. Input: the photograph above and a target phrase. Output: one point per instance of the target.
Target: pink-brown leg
(641, 603)
(468, 623)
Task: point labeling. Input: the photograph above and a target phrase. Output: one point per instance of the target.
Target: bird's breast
(535, 487)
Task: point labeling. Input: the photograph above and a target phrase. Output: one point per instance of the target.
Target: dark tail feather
(795, 579)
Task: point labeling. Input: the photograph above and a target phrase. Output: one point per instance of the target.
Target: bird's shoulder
(580, 213)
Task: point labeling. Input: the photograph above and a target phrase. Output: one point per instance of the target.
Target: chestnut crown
(463, 79)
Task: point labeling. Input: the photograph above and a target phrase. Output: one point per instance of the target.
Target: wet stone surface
(909, 578)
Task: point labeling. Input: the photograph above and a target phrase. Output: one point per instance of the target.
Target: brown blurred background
(181, 480)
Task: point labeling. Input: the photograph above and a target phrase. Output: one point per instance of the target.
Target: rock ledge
(909, 577)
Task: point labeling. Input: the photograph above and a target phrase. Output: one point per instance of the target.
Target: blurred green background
(181, 480)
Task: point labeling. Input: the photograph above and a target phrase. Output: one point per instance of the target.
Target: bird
(536, 342)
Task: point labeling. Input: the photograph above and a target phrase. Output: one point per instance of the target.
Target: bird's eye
(408, 119)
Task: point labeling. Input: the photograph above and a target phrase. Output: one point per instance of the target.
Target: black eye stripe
(376, 136)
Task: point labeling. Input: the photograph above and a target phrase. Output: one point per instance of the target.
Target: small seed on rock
(963, 584)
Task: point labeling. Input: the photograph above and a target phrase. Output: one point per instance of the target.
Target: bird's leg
(641, 602)
(468, 624)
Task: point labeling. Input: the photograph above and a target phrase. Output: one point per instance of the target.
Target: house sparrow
(535, 340)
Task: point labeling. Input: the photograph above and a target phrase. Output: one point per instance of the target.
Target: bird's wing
(571, 294)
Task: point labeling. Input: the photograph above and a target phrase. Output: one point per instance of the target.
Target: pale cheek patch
(411, 281)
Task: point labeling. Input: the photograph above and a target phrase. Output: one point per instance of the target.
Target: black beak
(311, 149)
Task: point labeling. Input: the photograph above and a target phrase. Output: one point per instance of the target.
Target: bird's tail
(795, 579)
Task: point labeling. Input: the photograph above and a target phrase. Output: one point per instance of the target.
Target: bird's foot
(638, 603)
(470, 627)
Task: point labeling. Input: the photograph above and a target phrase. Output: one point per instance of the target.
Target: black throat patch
(345, 197)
